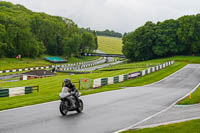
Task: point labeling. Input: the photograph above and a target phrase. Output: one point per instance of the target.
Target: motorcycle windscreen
(63, 95)
(65, 90)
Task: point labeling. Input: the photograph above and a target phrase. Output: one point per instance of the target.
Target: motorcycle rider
(72, 89)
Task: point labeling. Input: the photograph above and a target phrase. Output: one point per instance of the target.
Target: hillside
(110, 45)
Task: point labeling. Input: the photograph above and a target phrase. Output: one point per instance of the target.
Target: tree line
(32, 34)
(110, 33)
(164, 39)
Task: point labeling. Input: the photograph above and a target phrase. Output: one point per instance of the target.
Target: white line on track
(134, 125)
(167, 123)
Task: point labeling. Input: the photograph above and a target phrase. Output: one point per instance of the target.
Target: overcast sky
(119, 15)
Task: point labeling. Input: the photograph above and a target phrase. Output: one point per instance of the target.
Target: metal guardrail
(17, 91)
(103, 55)
(112, 80)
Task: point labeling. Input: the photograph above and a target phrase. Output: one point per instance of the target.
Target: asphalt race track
(104, 112)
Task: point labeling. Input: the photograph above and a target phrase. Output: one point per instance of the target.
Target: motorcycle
(69, 102)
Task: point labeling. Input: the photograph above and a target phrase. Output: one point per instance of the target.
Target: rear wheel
(63, 108)
(80, 108)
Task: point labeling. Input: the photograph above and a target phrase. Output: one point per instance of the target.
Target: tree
(188, 33)
(3, 45)
(168, 38)
(96, 40)
(88, 42)
(138, 44)
(71, 45)
(109, 33)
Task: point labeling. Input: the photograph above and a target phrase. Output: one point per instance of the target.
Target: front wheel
(63, 108)
(80, 108)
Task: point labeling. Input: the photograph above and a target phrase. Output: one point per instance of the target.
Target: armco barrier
(17, 91)
(116, 79)
(4, 92)
(28, 90)
(120, 78)
(157, 68)
(104, 81)
(96, 83)
(153, 69)
(110, 80)
(146, 72)
(143, 72)
(125, 77)
(135, 74)
(149, 70)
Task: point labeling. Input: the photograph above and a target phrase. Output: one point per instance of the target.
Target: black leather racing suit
(74, 91)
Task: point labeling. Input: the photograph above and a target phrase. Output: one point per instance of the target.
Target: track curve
(104, 112)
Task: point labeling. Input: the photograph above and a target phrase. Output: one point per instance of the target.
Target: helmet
(67, 82)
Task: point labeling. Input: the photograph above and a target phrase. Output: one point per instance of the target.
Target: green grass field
(189, 59)
(183, 127)
(110, 45)
(13, 63)
(51, 87)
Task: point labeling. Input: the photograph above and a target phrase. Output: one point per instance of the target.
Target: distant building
(36, 74)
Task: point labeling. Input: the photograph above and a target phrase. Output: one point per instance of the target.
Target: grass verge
(192, 126)
(194, 100)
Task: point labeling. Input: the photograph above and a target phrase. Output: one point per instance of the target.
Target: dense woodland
(164, 39)
(110, 33)
(32, 34)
